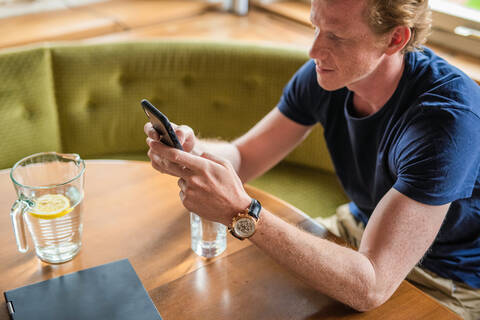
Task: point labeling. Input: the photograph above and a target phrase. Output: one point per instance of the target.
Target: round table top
(132, 211)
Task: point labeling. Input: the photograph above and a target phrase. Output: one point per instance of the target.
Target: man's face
(345, 49)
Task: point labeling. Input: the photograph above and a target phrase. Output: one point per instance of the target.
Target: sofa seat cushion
(314, 191)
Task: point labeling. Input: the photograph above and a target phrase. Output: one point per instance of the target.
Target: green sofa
(86, 99)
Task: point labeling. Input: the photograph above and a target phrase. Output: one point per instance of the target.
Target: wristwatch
(245, 222)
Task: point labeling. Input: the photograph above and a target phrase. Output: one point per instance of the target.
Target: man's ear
(398, 39)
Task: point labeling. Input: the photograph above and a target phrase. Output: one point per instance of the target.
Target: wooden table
(134, 212)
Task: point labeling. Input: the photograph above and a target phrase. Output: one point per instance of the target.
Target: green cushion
(315, 192)
(219, 89)
(28, 122)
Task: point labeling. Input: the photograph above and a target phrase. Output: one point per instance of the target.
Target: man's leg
(457, 296)
(344, 225)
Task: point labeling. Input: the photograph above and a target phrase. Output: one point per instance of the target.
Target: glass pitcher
(49, 188)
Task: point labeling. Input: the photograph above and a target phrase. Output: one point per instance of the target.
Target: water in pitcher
(55, 224)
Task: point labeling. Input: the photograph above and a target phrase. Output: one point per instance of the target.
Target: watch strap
(254, 209)
(232, 232)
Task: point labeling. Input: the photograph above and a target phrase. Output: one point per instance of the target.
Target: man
(403, 129)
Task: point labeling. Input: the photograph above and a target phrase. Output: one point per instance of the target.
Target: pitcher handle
(16, 213)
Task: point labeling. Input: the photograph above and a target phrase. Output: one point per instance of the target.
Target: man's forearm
(336, 271)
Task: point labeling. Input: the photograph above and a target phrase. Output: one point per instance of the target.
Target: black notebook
(110, 291)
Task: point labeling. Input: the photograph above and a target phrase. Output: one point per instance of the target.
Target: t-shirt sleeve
(438, 156)
(301, 95)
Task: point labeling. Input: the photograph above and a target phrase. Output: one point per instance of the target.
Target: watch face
(245, 227)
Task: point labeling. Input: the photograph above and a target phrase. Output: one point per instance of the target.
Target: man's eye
(332, 36)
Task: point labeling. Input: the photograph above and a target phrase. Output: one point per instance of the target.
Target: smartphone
(161, 124)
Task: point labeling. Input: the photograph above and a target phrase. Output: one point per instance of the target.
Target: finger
(157, 146)
(176, 170)
(183, 159)
(149, 141)
(150, 131)
(214, 158)
(181, 136)
(182, 184)
(157, 167)
(179, 132)
(187, 137)
(165, 166)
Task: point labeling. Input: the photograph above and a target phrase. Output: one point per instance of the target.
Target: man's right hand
(186, 137)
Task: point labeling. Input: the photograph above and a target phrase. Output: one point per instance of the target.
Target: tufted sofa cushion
(28, 115)
(220, 90)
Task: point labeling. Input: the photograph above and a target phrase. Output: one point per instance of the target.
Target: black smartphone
(161, 124)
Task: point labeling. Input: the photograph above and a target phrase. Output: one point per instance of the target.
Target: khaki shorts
(457, 296)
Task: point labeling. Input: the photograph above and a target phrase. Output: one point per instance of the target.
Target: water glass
(49, 187)
(209, 239)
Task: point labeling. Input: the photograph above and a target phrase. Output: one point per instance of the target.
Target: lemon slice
(51, 206)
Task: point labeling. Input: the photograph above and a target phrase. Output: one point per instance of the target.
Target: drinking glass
(49, 188)
(209, 239)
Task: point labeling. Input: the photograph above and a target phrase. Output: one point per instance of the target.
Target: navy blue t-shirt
(424, 142)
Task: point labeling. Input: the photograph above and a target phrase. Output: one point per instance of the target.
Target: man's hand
(213, 189)
(186, 137)
(209, 186)
(184, 134)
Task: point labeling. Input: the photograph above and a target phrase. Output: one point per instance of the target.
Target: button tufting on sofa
(91, 106)
(28, 114)
(187, 80)
(252, 82)
(124, 80)
(218, 104)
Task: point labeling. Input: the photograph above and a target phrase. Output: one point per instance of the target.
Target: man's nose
(318, 49)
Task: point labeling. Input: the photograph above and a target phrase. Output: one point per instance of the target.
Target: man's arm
(397, 236)
(267, 143)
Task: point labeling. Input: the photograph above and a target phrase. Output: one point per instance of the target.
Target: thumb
(181, 136)
(178, 132)
(186, 137)
(214, 158)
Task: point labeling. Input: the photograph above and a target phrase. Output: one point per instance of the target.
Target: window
(456, 24)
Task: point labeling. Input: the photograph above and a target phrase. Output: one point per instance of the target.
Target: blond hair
(384, 15)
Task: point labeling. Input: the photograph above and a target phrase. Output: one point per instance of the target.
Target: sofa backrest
(93, 92)
(28, 115)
